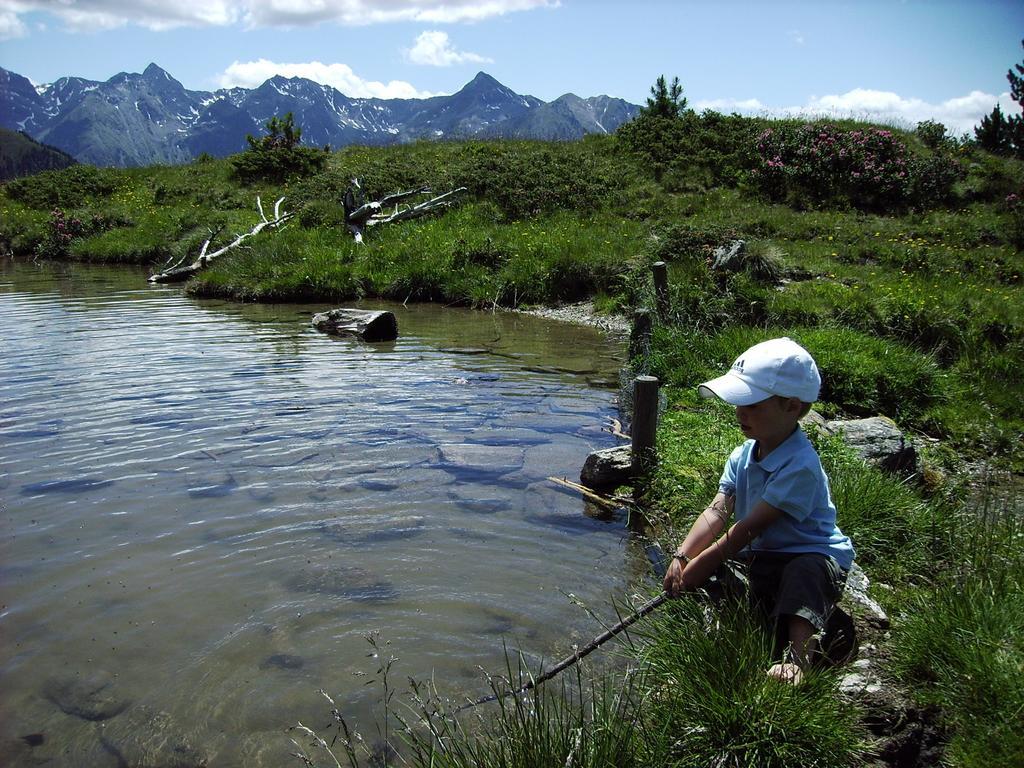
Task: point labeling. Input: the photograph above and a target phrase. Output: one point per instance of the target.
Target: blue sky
(900, 61)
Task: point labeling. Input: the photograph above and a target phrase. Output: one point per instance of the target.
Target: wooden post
(645, 423)
(640, 335)
(660, 270)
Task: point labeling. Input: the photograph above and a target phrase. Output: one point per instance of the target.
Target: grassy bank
(905, 283)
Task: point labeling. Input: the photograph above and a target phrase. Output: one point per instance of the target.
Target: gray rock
(857, 591)
(609, 466)
(855, 683)
(729, 258)
(878, 441)
(364, 324)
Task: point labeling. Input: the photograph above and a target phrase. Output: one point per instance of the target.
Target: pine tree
(1017, 83)
(282, 133)
(1016, 122)
(1005, 135)
(995, 133)
(279, 154)
(666, 101)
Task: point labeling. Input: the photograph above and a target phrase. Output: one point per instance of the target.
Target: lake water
(206, 507)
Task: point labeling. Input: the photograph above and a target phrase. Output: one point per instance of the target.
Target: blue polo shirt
(789, 478)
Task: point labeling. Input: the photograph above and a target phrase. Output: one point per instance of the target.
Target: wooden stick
(568, 661)
(588, 493)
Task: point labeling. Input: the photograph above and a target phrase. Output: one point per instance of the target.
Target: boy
(785, 530)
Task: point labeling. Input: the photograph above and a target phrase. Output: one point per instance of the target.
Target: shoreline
(582, 313)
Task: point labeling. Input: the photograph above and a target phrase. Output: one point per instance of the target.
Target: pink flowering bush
(825, 165)
(62, 230)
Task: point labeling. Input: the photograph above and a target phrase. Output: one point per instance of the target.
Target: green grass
(590, 722)
(466, 257)
(711, 702)
(961, 640)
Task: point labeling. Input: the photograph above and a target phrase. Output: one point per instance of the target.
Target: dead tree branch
(359, 214)
(181, 272)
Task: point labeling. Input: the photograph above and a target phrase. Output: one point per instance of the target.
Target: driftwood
(364, 324)
(181, 271)
(360, 214)
(608, 502)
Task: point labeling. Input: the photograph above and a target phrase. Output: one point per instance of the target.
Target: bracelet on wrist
(682, 556)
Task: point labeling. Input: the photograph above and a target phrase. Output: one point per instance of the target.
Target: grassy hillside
(21, 155)
(894, 256)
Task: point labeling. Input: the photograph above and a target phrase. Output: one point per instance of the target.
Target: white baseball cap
(775, 367)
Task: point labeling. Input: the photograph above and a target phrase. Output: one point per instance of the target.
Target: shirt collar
(784, 450)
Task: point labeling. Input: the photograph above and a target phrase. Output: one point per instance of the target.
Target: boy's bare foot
(786, 673)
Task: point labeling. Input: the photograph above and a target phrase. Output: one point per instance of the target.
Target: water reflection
(206, 506)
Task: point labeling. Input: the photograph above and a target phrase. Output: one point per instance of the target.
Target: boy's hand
(674, 584)
(680, 577)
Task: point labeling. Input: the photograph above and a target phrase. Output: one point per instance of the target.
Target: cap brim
(733, 390)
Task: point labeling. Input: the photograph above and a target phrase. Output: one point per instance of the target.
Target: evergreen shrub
(277, 164)
(277, 156)
(68, 188)
(527, 179)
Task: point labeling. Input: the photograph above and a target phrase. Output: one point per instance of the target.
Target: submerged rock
(214, 490)
(283, 661)
(357, 533)
(342, 581)
(93, 698)
(76, 485)
(150, 737)
(469, 459)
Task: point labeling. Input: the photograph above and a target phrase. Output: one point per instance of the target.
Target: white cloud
(726, 106)
(959, 114)
(434, 49)
(98, 15)
(251, 74)
(362, 12)
(11, 26)
(95, 15)
(796, 36)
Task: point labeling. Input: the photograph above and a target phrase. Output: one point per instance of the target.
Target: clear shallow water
(205, 507)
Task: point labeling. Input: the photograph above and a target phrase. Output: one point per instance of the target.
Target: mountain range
(142, 119)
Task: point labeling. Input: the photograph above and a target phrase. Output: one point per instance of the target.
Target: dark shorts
(806, 585)
(786, 584)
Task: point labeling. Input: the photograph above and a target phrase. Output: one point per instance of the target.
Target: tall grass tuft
(960, 643)
(896, 533)
(711, 703)
(582, 721)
